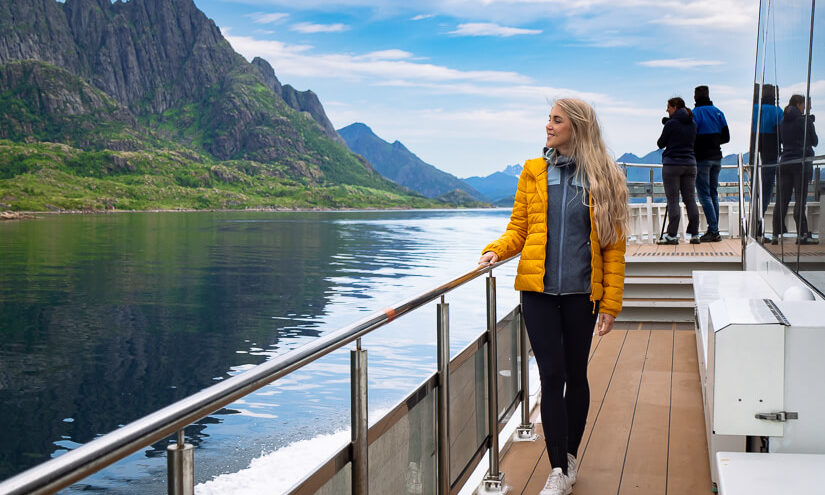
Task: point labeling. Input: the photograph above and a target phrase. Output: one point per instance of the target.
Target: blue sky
(466, 85)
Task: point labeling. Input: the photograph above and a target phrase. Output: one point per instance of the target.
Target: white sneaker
(557, 484)
(572, 468)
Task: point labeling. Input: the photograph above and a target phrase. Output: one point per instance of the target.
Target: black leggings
(560, 330)
(676, 179)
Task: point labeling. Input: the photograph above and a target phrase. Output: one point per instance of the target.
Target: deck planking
(645, 428)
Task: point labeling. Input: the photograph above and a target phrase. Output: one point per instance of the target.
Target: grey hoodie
(567, 261)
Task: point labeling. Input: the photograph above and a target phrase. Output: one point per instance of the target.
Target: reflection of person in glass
(770, 116)
(568, 220)
(679, 170)
(795, 170)
(711, 132)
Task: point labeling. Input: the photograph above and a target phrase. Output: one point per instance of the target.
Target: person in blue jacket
(795, 170)
(711, 132)
(767, 116)
(679, 170)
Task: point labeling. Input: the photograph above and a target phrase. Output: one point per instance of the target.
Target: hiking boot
(666, 239)
(711, 237)
(572, 468)
(694, 239)
(557, 483)
(807, 239)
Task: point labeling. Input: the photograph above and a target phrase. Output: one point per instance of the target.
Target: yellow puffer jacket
(527, 233)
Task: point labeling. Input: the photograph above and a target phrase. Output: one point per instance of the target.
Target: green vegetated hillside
(149, 107)
(51, 176)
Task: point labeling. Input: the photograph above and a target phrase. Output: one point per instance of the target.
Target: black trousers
(560, 330)
(676, 179)
(792, 180)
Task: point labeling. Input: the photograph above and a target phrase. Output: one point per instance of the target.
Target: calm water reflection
(106, 318)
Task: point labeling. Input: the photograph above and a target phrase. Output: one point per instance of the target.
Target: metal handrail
(657, 165)
(93, 456)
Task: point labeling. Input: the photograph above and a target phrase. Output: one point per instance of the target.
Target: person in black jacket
(795, 169)
(679, 170)
(711, 132)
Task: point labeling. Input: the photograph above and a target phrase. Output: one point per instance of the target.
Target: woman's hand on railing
(605, 324)
(488, 258)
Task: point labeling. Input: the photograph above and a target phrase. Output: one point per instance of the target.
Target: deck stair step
(650, 302)
(658, 284)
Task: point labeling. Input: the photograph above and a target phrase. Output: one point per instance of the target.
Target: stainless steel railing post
(526, 430)
(443, 417)
(180, 467)
(360, 424)
(494, 481)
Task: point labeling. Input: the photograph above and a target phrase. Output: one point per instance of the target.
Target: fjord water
(106, 318)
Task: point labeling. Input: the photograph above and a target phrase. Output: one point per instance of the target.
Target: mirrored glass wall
(789, 88)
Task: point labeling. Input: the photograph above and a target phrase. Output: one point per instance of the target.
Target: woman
(679, 170)
(568, 220)
(798, 135)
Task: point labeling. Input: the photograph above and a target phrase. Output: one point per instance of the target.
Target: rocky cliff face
(302, 101)
(166, 66)
(144, 53)
(39, 101)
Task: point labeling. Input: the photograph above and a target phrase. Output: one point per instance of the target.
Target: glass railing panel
(785, 80)
(508, 363)
(340, 483)
(812, 252)
(468, 407)
(403, 458)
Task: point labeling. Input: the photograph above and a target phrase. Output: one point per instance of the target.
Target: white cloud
(446, 114)
(264, 18)
(421, 17)
(523, 93)
(264, 31)
(679, 63)
(393, 54)
(292, 60)
(307, 27)
(817, 89)
(490, 29)
(711, 14)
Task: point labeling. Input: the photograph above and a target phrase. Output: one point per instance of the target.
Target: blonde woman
(568, 221)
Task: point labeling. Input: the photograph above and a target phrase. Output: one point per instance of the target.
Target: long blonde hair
(608, 186)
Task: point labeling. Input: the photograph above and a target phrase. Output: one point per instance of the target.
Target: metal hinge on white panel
(780, 416)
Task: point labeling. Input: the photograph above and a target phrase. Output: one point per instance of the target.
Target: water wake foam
(278, 471)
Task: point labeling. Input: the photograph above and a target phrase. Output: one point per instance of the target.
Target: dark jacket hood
(792, 113)
(681, 115)
(703, 102)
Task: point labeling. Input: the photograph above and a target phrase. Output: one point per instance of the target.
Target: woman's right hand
(488, 258)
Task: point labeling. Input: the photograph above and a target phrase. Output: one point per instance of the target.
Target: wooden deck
(645, 430)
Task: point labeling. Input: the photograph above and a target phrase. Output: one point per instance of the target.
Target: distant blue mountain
(400, 165)
(496, 186)
(514, 170)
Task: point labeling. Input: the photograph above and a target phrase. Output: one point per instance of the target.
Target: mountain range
(397, 163)
(500, 187)
(144, 104)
